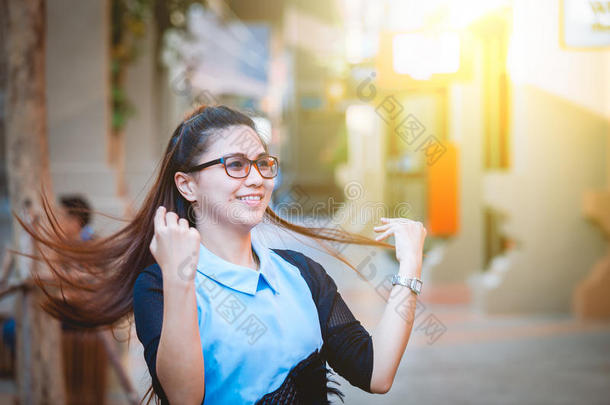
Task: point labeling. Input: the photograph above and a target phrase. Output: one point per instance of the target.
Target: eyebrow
(244, 155)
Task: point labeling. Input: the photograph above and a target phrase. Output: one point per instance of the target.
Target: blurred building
(486, 120)
(492, 126)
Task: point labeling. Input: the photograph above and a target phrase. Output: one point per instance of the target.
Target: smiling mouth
(250, 198)
(252, 201)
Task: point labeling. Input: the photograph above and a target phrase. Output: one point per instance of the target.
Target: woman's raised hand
(409, 237)
(175, 246)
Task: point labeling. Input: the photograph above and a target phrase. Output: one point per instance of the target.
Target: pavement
(513, 359)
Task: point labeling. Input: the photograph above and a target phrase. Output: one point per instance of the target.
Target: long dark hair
(92, 281)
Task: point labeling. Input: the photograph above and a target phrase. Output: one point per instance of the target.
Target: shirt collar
(239, 278)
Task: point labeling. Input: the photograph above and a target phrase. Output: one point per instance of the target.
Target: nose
(254, 177)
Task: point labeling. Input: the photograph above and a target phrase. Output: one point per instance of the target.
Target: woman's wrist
(178, 277)
(410, 267)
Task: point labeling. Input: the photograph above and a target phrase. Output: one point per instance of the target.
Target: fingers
(380, 228)
(390, 226)
(153, 245)
(159, 220)
(389, 221)
(183, 223)
(195, 233)
(172, 219)
(163, 218)
(396, 220)
(385, 234)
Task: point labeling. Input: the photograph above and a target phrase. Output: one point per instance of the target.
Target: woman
(222, 318)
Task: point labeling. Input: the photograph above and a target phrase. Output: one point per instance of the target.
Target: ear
(186, 186)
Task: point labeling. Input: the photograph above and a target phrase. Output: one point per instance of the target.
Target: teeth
(256, 198)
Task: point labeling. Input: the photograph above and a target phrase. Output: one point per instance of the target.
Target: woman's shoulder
(321, 285)
(300, 260)
(149, 277)
(312, 271)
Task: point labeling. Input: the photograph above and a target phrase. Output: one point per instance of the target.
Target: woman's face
(219, 196)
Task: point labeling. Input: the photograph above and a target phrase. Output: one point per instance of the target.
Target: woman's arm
(180, 365)
(392, 333)
(179, 357)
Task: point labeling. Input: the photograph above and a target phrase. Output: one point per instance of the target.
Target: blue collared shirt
(254, 325)
(258, 326)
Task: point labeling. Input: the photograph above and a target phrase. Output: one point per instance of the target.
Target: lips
(252, 200)
(251, 197)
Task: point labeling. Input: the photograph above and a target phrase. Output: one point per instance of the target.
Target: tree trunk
(40, 377)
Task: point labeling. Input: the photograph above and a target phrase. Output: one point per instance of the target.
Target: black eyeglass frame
(250, 164)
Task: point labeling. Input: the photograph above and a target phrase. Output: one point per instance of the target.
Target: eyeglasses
(238, 166)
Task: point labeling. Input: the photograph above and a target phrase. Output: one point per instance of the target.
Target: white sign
(585, 23)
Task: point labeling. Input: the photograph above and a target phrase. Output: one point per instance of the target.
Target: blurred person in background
(84, 354)
(85, 357)
(76, 217)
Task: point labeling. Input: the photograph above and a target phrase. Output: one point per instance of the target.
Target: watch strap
(412, 283)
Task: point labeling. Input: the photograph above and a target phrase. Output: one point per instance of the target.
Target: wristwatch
(413, 283)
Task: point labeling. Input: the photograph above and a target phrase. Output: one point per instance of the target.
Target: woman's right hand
(175, 246)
